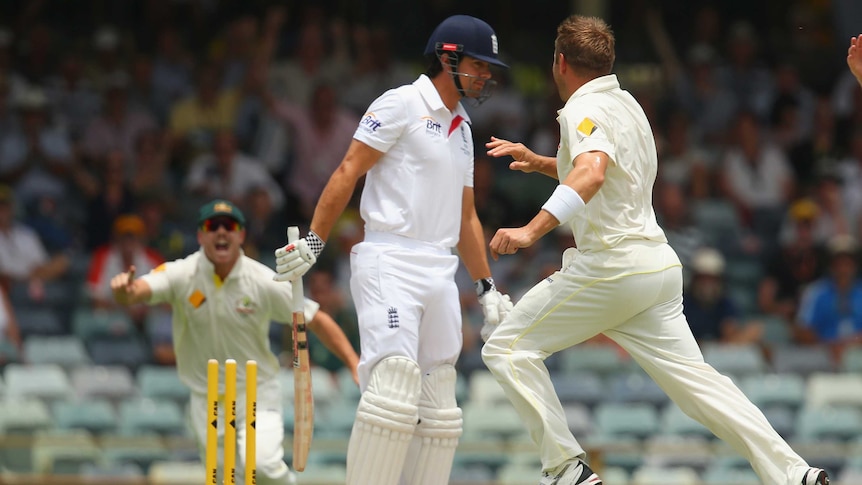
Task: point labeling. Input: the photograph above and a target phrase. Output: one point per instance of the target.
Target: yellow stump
(250, 422)
(212, 423)
(230, 422)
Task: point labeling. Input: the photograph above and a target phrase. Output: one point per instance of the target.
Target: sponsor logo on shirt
(466, 146)
(432, 127)
(370, 122)
(587, 127)
(197, 298)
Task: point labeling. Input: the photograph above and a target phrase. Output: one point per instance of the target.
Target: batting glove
(495, 306)
(295, 259)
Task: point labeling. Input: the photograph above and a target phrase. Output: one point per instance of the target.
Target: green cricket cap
(221, 207)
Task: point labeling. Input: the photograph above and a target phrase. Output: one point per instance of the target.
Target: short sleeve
(586, 131)
(383, 123)
(159, 280)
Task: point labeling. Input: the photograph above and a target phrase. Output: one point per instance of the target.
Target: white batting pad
(429, 459)
(385, 420)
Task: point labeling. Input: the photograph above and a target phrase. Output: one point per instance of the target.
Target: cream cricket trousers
(269, 426)
(633, 295)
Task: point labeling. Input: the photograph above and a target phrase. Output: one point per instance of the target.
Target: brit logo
(432, 127)
(370, 122)
(393, 317)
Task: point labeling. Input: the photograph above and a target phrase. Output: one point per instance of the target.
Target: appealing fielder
(416, 147)
(623, 280)
(223, 303)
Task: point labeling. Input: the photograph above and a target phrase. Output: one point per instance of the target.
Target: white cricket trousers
(633, 295)
(271, 469)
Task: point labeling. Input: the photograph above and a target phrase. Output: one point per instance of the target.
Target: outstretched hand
(499, 147)
(121, 285)
(854, 57)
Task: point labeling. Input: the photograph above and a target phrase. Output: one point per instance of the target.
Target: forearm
(471, 247)
(546, 165)
(334, 339)
(138, 292)
(334, 199)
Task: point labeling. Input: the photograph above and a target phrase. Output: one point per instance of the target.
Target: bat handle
(292, 234)
(298, 293)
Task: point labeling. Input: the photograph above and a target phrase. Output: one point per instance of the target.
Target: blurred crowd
(111, 139)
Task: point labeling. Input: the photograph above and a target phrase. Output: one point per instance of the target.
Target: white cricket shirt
(600, 116)
(416, 187)
(222, 320)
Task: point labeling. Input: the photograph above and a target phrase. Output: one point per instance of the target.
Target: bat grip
(298, 293)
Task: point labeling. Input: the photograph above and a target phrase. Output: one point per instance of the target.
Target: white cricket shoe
(574, 472)
(815, 476)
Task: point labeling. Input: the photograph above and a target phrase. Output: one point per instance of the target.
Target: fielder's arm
(333, 337)
(525, 160)
(854, 58)
(357, 162)
(129, 291)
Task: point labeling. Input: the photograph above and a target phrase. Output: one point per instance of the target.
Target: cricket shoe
(815, 476)
(574, 472)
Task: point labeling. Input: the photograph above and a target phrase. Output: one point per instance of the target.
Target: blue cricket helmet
(463, 34)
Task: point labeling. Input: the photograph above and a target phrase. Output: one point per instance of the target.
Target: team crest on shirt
(245, 306)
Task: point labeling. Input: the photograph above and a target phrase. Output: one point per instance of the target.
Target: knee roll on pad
(385, 421)
(432, 450)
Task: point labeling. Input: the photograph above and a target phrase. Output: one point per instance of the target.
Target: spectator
(24, 261)
(227, 173)
(673, 210)
(712, 314)
(118, 126)
(108, 195)
(744, 74)
(798, 262)
(264, 229)
(149, 171)
(195, 119)
(35, 157)
(323, 132)
(107, 57)
(831, 308)
(162, 233)
(127, 248)
(850, 169)
(74, 98)
(375, 69)
(172, 69)
(683, 162)
(756, 176)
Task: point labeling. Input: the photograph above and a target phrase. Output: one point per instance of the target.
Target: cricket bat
(303, 405)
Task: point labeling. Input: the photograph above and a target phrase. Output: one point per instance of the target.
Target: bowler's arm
(129, 290)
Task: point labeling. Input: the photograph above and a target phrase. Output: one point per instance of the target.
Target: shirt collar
(207, 265)
(429, 93)
(599, 84)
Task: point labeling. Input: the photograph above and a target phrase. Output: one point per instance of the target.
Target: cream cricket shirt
(416, 187)
(597, 117)
(222, 319)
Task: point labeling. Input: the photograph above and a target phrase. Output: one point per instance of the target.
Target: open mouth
(222, 246)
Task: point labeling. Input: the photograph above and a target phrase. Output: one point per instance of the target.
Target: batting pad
(429, 459)
(385, 420)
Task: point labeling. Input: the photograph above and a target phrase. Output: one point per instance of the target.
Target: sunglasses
(213, 225)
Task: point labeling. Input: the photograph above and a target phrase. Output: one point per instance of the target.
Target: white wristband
(564, 203)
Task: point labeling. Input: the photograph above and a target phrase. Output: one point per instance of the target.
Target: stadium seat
(336, 420)
(579, 418)
(579, 387)
(851, 359)
(782, 418)
(717, 219)
(776, 330)
(24, 415)
(668, 450)
(151, 415)
(127, 351)
(170, 472)
(635, 387)
(110, 382)
(475, 474)
(88, 323)
(499, 422)
(615, 475)
(485, 390)
(62, 350)
(841, 423)
(626, 419)
(94, 415)
(716, 475)
(737, 360)
(603, 359)
(111, 473)
(834, 390)
(63, 452)
(650, 475)
(676, 422)
(804, 360)
(141, 450)
(775, 389)
(514, 474)
(46, 381)
(325, 386)
(38, 321)
(160, 382)
(349, 390)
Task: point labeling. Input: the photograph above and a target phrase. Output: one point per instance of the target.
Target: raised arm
(129, 291)
(854, 58)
